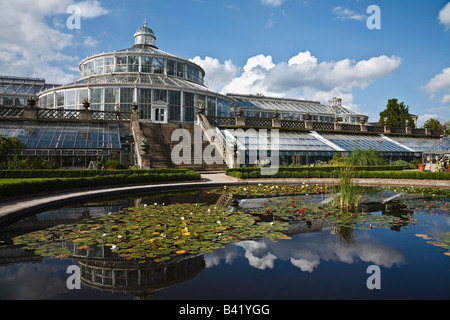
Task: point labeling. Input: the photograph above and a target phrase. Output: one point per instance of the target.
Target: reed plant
(346, 195)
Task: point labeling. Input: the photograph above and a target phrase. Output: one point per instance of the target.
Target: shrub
(366, 158)
(113, 165)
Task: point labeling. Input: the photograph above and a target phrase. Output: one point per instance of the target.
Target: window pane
(126, 95)
(109, 65)
(99, 66)
(121, 64)
(158, 65)
(71, 97)
(171, 68)
(146, 64)
(180, 69)
(133, 64)
(160, 95)
(145, 96)
(60, 99)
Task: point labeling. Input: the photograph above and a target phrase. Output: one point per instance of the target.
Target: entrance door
(159, 112)
(160, 115)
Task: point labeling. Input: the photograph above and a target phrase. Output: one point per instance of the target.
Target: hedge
(318, 168)
(31, 174)
(336, 174)
(57, 184)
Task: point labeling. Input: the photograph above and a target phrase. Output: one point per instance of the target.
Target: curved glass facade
(165, 87)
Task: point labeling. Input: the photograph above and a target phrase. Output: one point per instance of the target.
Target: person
(117, 110)
(442, 164)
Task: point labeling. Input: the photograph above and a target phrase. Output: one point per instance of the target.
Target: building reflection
(105, 270)
(141, 280)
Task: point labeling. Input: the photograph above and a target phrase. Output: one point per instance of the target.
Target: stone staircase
(161, 146)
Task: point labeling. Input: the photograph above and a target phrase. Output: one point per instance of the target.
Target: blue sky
(308, 49)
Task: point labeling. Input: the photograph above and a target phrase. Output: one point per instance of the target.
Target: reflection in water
(306, 251)
(315, 239)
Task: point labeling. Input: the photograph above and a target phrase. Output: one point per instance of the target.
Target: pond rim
(17, 209)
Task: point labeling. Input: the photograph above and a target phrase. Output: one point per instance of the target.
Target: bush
(366, 158)
(32, 174)
(113, 165)
(336, 172)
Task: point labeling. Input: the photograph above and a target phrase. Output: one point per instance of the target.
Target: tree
(447, 127)
(396, 115)
(433, 124)
(7, 145)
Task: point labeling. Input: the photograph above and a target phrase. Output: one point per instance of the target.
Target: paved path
(17, 208)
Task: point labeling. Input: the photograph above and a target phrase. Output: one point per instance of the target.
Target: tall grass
(346, 195)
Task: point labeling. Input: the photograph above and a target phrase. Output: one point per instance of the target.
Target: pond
(262, 242)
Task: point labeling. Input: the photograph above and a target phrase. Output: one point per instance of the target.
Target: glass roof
(314, 141)
(261, 102)
(365, 142)
(69, 135)
(149, 79)
(418, 144)
(23, 86)
(441, 146)
(248, 140)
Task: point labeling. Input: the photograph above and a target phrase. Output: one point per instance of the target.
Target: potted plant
(144, 144)
(201, 107)
(421, 167)
(86, 103)
(307, 116)
(31, 102)
(275, 113)
(134, 106)
(239, 112)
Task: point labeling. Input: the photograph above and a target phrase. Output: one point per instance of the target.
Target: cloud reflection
(307, 251)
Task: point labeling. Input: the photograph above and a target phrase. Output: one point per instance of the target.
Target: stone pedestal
(85, 115)
(30, 113)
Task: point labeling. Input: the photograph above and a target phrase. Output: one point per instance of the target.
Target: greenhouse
(309, 147)
(165, 87)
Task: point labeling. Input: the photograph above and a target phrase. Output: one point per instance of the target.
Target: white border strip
(397, 143)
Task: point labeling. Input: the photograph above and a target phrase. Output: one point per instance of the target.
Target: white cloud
(91, 9)
(446, 99)
(444, 16)
(34, 40)
(424, 117)
(273, 3)
(440, 82)
(217, 74)
(90, 42)
(257, 254)
(303, 76)
(346, 14)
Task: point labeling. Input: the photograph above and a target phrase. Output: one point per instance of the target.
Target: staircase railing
(142, 160)
(227, 153)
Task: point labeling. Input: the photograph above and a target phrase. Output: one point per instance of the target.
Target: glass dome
(144, 36)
